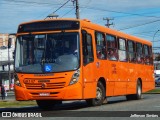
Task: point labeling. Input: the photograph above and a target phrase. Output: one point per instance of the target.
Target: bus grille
(57, 85)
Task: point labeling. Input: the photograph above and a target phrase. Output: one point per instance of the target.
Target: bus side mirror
(9, 42)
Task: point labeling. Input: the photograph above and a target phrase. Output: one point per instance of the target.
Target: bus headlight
(75, 77)
(16, 80)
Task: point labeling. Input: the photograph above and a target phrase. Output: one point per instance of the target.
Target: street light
(154, 37)
(9, 60)
(153, 48)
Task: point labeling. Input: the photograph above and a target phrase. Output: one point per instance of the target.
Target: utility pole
(9, 70)
(77, 8)
(108, 20)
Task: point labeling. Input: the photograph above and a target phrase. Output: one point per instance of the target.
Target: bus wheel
(138, 94)
(100, 96)
(47, 104)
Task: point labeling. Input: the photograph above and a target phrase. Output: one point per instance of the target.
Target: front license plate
(44, 94)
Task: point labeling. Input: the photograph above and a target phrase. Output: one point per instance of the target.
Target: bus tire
(100, 96)
(138, 94)
(47, 104)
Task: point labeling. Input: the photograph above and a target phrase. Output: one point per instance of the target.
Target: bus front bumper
(67, 93)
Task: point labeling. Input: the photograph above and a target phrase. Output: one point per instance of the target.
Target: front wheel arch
(138, 94)
(100, 95)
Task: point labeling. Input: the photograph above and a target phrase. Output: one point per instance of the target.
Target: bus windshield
(55, 52)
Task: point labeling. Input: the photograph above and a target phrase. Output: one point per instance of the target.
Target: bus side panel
(131, 82)
(110, 88)
(89, 70)
(120, 81)
(89, 90)
(148, 82)
(148, 86)
(89, 81)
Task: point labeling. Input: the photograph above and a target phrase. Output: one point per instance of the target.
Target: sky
(140, 18)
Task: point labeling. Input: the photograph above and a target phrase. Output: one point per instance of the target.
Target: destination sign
(49, 26)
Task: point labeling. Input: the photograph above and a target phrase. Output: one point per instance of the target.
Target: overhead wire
(61, 6)
(139, 25)
(142, 15)
(74, 8)
(56, 9)
(101, 9)
(67, 12)
(30, 2)
(145, 13)
(144, 32)
(87, 7)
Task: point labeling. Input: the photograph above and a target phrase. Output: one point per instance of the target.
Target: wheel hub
(99, 93)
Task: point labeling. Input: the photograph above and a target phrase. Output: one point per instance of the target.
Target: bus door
(89, 83)
(113, 86)
(116, 58)
(122, 68)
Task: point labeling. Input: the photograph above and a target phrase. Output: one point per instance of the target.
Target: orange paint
(120, 76)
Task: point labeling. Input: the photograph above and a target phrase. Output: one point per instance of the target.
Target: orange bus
(70, 59)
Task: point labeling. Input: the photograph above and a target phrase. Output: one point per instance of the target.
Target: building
(6, 60)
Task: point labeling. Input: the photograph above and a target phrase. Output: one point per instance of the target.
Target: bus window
(146, 54)
(139, 53)
(100, 45)
(111, 47)
(151, 56)
(28, 50)
(39, 47)
(131, 51)
(39, 51)
(87, 48)
(122, 50)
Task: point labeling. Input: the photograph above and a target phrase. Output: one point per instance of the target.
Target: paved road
(116, 107)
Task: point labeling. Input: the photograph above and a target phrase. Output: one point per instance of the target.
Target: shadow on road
(74, 105)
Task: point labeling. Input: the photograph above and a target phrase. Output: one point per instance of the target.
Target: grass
(11, 104)
(156, 91)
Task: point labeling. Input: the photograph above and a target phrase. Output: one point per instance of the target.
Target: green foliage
(157, 58)
(154, 91)
(11, 104)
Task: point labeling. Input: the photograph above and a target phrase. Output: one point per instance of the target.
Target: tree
(157, 58)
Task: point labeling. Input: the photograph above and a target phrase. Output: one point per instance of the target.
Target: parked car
(156, 78)
(157, 82)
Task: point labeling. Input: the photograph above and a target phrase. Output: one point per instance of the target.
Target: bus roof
(85, 23)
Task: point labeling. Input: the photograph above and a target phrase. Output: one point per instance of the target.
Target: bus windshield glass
(55, 52)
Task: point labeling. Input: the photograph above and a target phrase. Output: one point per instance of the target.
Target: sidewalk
(10, 96)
